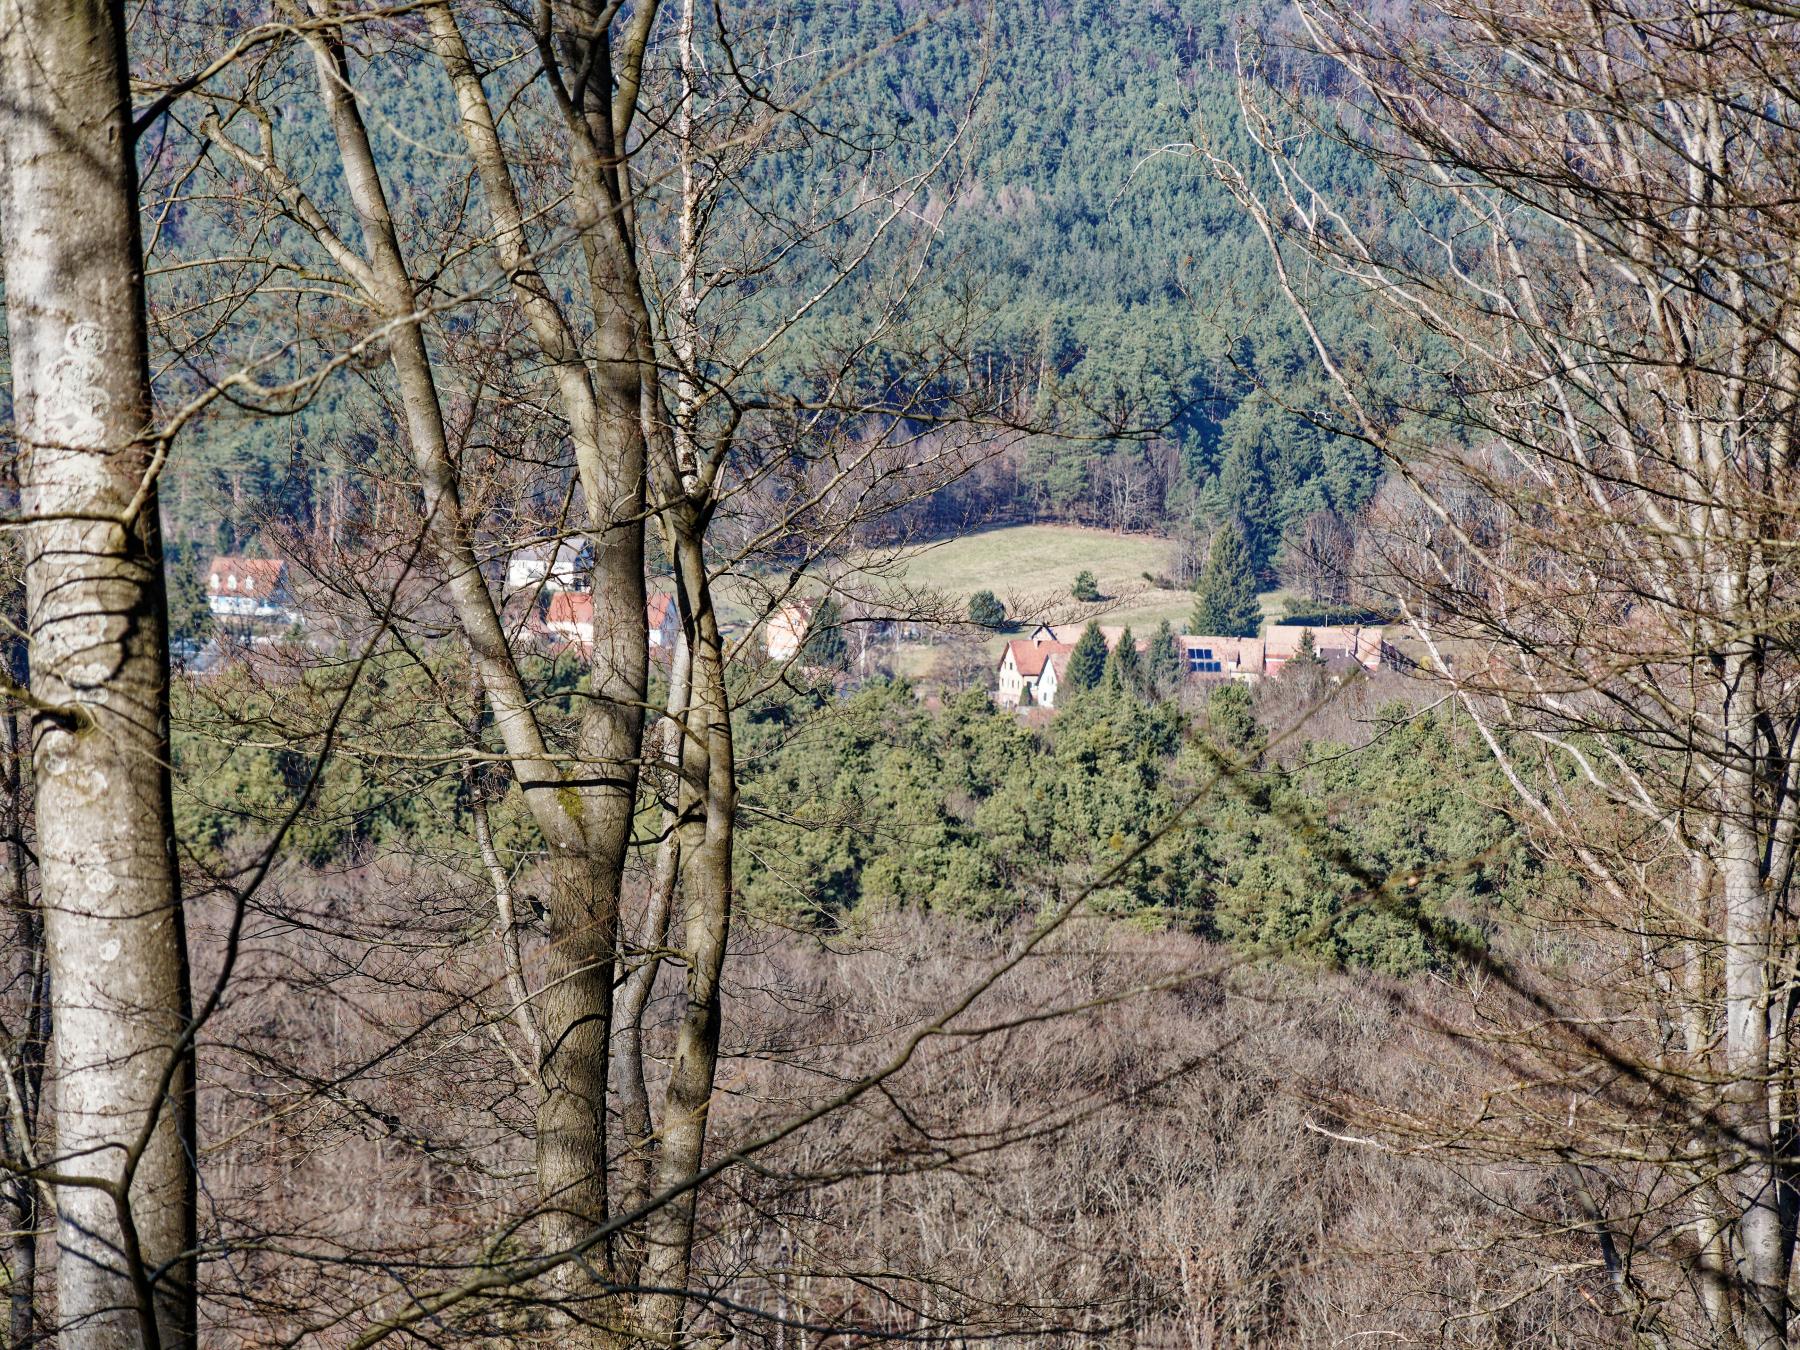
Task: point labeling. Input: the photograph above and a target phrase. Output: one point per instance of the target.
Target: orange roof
(570, 607)
(662, 604)
(1030, 656)
(1070, 633)
(1362, 645)
(1237, 655)
(245, 576)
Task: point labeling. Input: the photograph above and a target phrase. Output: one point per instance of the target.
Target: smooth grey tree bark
(120, 1075)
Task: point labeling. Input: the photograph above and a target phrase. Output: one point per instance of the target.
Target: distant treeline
(1375, 842)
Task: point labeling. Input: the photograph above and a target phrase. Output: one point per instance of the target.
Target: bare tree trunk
(634, 995)
(601, 406)
(1761, 1247)
(31, 1048)
(120, 1067)
(708, 817)
(575, 1001)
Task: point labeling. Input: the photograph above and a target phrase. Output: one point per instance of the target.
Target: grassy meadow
(1032, 569)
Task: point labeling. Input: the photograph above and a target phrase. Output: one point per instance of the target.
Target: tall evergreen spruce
(1162, 665)
(1126, 663)
(1227, 605)
(985, 609)
(1087, 663)
(826, 646)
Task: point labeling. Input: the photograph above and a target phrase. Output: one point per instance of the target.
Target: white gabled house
(551, 565)
(245, 592)
(1031, 671)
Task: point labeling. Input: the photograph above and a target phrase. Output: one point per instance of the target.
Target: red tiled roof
(570, 607)
(245, 576)
(1030, 656)
(1070, 633)
(662, 605)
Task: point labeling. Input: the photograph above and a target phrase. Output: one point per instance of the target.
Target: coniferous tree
(1126, 664)
(826, 645)
(1162, 666)
(1087, 663)
(1086, 588)
(190, 620)
(985, 609)
(1308, 653)
(1226, 604)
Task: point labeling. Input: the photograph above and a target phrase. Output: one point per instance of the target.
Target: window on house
(1200, 662)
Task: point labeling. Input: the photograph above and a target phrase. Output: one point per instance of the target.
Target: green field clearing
(1034, 559)
(1032, 567)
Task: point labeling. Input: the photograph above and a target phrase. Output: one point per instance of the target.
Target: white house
(1031, 672)
(567, 621)
(785, 631)
(249, 591)
(1051, 679)
(553, 565)
(664, 620)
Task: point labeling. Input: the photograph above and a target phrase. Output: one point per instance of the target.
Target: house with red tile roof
(1022, 676)
(566, 622)
(664, 620)
(1031, 669)
(1333, 645)
(249, 591)
(1070, 633)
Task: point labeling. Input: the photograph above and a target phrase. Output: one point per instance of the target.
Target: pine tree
(826, 646)
(1126, 665)
(1163, 666)
(1087, 663)
(1227, 605)
(1086, 588)
(184, 569)
(985, 609)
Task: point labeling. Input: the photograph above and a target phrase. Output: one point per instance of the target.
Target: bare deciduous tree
(120, 1162)
(1593, 225)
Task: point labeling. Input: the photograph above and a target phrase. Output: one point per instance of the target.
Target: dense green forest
(1099, 277)
(878, 801)
(1118, 274)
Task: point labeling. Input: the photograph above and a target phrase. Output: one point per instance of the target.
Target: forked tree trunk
(708, 816)
(585, 817)
(97, 620)
(575, 1002)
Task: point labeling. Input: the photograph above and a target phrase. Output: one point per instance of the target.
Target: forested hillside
(1118, 272)
(1104, 283)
